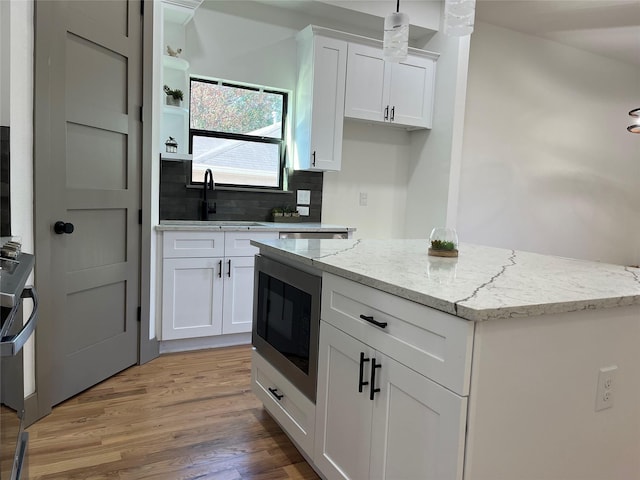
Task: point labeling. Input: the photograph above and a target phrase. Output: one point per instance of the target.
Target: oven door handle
(12, 344)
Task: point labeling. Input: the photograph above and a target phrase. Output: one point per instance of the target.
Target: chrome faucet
(208, 184)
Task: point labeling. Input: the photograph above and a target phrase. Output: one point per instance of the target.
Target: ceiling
(606, 27)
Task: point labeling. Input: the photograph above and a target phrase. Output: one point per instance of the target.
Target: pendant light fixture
(459, 17)
(635, 128)
(396, 36)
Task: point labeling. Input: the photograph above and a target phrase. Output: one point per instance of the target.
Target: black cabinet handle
(386, 113)
(370, 319)
(219, 268)
(362, 383)
(373, 389)
(313, 155)
(61, 227)
(274, 392)
(229, 271)
(393, 113)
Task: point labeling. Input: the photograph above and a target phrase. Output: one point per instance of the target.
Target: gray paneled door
(88, 144)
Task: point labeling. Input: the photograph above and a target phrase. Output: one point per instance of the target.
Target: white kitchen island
(496, 365)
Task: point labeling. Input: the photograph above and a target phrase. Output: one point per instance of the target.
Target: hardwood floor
(181, 416)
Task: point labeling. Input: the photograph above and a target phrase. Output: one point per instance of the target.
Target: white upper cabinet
(395, 93)
(320, 90)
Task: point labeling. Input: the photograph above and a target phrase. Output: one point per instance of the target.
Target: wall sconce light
(635, 128)
(396, 36)
(459, 17)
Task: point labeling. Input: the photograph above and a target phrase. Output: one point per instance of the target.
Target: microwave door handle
(12, 344)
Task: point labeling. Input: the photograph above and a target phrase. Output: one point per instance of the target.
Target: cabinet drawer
(236, 244)
(192, 244)
(433, 343)
(294, 412)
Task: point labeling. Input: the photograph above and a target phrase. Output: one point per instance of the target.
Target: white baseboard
(186, 344)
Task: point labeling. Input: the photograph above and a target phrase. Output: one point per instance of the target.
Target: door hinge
(141, 7)
(139, 313)
(140, 217)
(141, 114)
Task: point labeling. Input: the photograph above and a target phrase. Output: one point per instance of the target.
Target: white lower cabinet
(412, 428)
(207, 283)
(191, 297)
(237, 313)
(291, 409)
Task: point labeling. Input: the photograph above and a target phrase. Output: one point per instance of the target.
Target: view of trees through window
(237, 132)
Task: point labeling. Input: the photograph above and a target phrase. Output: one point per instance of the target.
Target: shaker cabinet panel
(191, 298)
(319, 114)
(237, 313)
(418, 426)
(181, 244)
(364, 97)
(343, 413)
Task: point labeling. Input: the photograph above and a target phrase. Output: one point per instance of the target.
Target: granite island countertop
(482, 283)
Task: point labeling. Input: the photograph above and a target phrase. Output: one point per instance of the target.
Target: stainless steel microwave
(286, 321)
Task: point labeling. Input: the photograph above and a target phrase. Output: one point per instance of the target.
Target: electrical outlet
(606, 383)
(363, 199)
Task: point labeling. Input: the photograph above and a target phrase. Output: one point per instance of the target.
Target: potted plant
(444, 242)
(289, 214)
(174, 96)
(277, 213)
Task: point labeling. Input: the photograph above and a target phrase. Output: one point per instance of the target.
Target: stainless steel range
(15, 268)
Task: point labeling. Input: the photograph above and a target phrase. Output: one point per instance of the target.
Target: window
(238, 132)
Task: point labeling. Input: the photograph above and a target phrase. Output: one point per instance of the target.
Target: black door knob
(61, 227)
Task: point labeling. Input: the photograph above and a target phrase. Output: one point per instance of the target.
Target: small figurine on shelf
(172, 145)
(172, 52)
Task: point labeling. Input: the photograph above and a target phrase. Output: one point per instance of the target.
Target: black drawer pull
(362, 383)
(370, 319)
(373, 389)
(274, 392)
(229, 272)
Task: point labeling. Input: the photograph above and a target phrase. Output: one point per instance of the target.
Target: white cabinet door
(395, 93)
(191, 297)
(343, 414)
(322, 66)
(411, 90)
(365, 95)
(418, 426)
(237, 313)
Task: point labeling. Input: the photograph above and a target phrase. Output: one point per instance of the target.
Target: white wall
(548, 165)
(236, 46)
(375, 161)
(435, 153)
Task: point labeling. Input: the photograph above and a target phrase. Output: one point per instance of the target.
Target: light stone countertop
(239, 225)
(482, 283)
